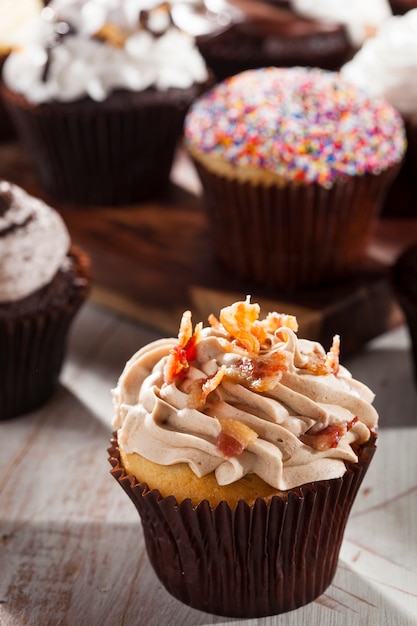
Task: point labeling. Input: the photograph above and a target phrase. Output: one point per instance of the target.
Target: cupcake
(404, 284)
(243, 448)
(43, 282)
(15, 15)
(295, 164)
(249, 34)
(387, 66)
(99, 98)
(252, 34)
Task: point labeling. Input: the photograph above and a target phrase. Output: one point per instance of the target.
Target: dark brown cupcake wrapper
(115, 152)
(32, 349)
(251, 561)
(293, 236)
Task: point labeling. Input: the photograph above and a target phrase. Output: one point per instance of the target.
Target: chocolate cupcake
(254, 34)
(99, 98)
(404, 284)
(295, 164)
(238, 35)
(43, 282)
(387, 66)
(242, 448)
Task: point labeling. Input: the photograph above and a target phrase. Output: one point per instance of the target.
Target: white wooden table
(71, 544)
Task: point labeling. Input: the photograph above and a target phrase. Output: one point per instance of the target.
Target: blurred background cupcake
(14, 17)
(386, 66)
(248, 34)
(43, 282)
(295, 164)
(99, 97)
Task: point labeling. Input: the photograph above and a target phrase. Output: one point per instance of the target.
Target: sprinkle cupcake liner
(251, 561)
(32, 349)
(293, 236)
(115, 152)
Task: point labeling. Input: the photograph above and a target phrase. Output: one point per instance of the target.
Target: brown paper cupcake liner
(115, 152)
(251, 561)
(32, 348)
(293, 236)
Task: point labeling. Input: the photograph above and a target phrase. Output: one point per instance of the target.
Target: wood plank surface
(152, 261)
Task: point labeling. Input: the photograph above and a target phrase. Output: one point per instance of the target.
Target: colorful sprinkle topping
(303, 124)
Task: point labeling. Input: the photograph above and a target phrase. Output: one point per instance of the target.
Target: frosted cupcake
(295, 164)
(251, 33)
(387, 66)
(44, 280)
(99, 98)
(242, 447)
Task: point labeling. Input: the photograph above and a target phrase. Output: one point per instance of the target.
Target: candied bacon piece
(201, 388)
(324, 364)
(181, 355)
(328, 437)
(238, 320)
(234, 437)
(260, 373)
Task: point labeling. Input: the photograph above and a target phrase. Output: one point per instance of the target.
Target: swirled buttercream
(34, 242)
(362, 19)
(243, 396)
(387, 64)
(91, 48)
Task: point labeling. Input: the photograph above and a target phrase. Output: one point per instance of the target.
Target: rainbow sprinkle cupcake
(295, 164)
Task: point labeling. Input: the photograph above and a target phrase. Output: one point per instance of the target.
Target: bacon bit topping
(112, 34)
(328, 437)
(238, 320)
(321, 365)
(261, 373)
(234, 437)
(200, 389)
(181, 355)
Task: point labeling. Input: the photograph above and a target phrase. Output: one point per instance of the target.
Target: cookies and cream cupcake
(43, 282)
(295, 164)
(99, 96)
(243, 447)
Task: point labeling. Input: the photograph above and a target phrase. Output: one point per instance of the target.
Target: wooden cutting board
(152, 261)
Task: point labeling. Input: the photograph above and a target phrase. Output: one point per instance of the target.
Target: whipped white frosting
(387, 64)
(15, 17)
(34, 242)
(105, 49)
(362, 18)
(301, 411)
